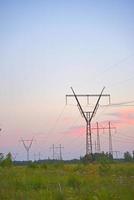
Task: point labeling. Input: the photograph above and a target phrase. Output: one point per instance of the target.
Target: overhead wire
(112, 66)
(53, 127)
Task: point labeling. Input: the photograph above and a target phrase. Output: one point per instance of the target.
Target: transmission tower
(98, 148)
(117, 154)
(53, 151)
(88, 115)
(39, 156)
(95, 148)
(60, 151)
(98, 139)
(109, 128)
(110, 139)
(27, 145)
(14, 155)
(34, 156)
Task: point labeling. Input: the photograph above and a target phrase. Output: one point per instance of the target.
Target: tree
(127, 157)
(110, 156)
(7, 161)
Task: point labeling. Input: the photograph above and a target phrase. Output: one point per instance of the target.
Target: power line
(56, 121)
(119, 104)
(112, 66)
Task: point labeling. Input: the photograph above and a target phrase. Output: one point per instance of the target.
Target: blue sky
(48, 46)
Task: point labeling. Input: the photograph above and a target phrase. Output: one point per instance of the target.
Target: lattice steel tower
(88, 115)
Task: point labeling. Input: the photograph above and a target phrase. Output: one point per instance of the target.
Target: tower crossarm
(97, 104)
(79, 106)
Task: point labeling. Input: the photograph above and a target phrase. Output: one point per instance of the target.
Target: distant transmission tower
(110, 139)
(34, 156)
(53, 151)
(14, 155)
(98, 148)
(88, 115)
(39, 156)
(117, 154)
(60, 153)
(110, 128)
(95, 148)
(27, 145)
(98, 139)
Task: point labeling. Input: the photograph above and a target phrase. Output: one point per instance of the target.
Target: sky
(46, 47)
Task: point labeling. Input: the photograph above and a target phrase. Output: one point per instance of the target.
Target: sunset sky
(47, 46)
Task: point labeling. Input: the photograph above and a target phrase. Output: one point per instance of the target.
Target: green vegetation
(102, 181)
(7, 161)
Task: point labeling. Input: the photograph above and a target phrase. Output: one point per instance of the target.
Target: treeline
(94, 158)
(98, 157)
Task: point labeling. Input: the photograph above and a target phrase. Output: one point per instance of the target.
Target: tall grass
(64, 182)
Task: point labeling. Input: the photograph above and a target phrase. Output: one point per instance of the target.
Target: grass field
(68, 181)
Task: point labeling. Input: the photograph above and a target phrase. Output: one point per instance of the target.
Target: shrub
(7, 162)
(127, 157)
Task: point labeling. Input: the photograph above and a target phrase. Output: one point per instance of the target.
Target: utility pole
(53, 150)
(27, 146)
(60, 153)
(88, 115)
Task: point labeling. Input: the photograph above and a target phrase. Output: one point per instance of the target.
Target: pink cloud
(124, 117)
(76, 131)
